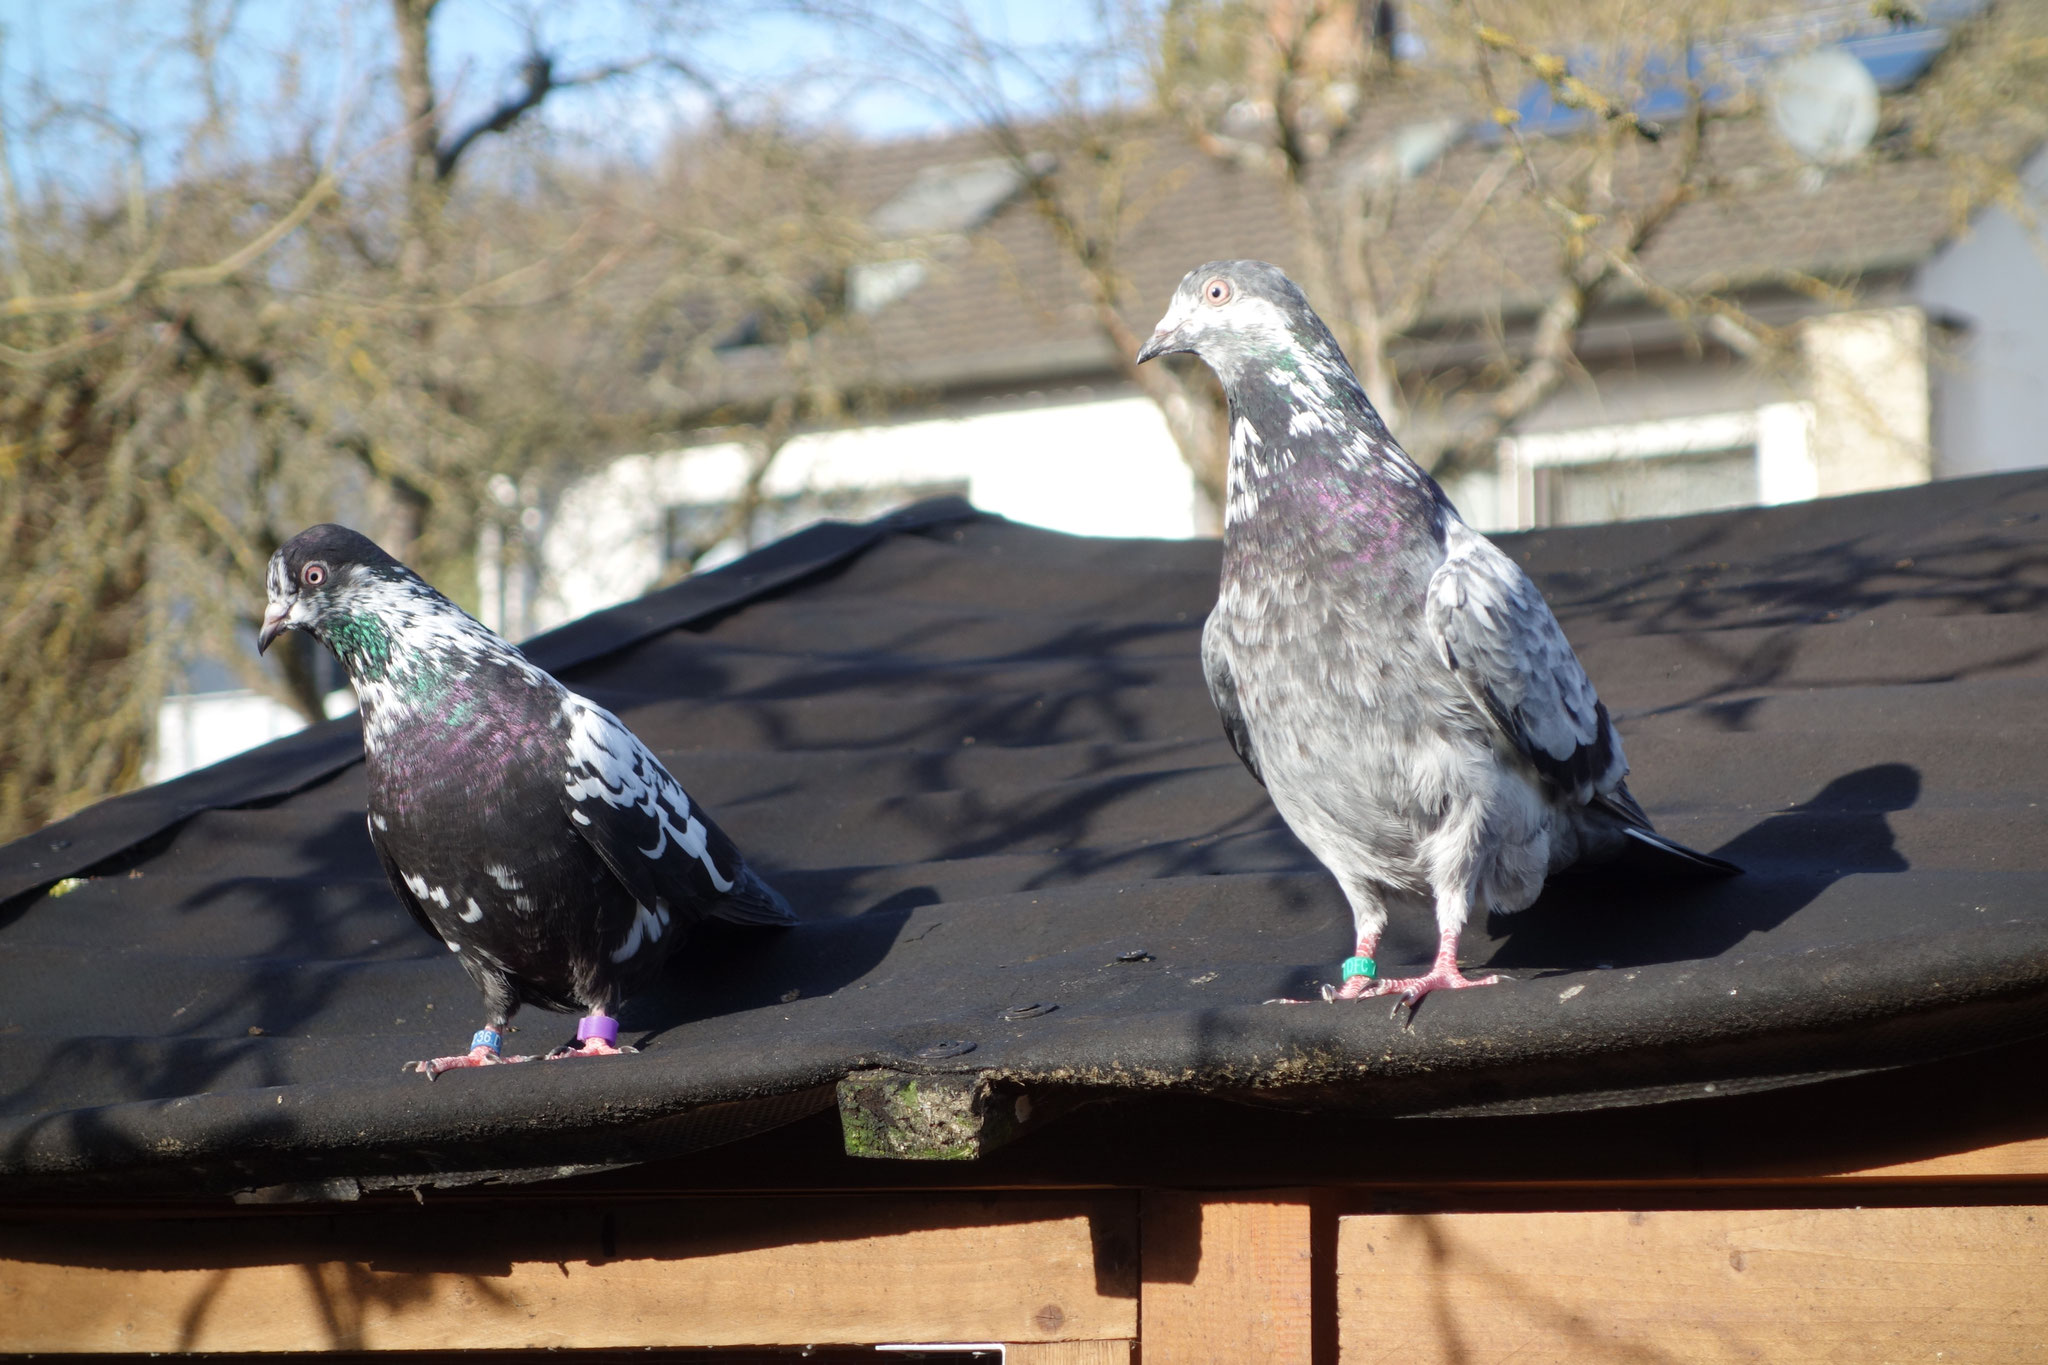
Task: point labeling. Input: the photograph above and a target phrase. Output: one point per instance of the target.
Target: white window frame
(1780, 433)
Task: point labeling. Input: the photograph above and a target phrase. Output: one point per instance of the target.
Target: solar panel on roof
(1896, 57)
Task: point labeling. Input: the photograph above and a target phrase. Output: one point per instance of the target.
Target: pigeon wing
(663, 848)
(1223, 692)
(1493, 629)
(400, 889)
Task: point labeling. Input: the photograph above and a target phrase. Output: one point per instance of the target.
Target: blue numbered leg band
(486, 1037)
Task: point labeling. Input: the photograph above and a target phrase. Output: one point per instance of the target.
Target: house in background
(1935, 370)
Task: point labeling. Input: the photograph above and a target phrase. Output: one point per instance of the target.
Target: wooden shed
(1012, 1088)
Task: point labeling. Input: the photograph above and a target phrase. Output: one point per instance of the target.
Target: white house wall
(1991, 408)
(1867, 374)
(194, 730)
(1088, 465)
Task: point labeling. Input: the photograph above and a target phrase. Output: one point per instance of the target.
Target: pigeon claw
(476, 1056)
(1408, 991)
(1352, 989)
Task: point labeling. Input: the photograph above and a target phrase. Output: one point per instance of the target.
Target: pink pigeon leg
(597, 1035)
(1443, 975)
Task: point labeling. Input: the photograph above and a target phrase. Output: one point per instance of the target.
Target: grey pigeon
(522, 825)
(1396, 682)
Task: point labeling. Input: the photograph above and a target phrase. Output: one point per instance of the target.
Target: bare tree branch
(1589, 269)
(540, 81)
(1444, 242)
(141, 276)
(1565, 88)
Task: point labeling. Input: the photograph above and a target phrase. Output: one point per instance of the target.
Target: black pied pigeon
(521, 824)
(1396, 681)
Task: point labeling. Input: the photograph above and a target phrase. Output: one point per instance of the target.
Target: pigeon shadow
(730, 968)
(1626, 917)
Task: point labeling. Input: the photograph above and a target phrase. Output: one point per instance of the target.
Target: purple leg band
(598, 1026)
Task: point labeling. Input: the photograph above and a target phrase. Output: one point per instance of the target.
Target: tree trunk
(406, 505)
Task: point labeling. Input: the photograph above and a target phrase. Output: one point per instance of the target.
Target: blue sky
(288, 67)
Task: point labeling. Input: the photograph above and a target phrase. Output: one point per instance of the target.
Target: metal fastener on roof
(939, 1051)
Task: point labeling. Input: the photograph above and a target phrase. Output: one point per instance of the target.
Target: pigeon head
(320, 574)
(1295, 404)
(1238, 315)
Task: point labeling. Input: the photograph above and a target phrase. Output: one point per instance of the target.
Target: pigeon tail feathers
(753, 901)
(1622, 802)
(1669, 855)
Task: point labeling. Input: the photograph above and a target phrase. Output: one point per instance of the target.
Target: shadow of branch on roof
(1720, 577)
(231, 972)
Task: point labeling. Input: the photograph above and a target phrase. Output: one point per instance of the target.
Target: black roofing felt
(979, 759)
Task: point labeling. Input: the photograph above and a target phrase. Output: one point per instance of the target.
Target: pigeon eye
(313, 575)
(1217, 292)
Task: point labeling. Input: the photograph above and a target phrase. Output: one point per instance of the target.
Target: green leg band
(1360, 966)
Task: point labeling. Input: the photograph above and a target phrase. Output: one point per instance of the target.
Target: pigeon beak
(1162, 341)
(274, 625)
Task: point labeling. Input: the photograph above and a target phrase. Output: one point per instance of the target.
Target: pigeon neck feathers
(411, 652)
(390, 623)
(1303, 431)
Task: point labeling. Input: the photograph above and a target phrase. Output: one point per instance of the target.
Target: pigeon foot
(597, 1035)
(589, 1047)
(476, 1056)
(1362, 983)
(1411, 989)
(1443, 975)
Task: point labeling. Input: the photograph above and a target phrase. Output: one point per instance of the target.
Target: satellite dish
(1825, 105)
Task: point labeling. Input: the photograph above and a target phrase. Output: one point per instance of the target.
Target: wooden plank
(2026, 1159)
(2022, 1161)
(1068, 1353)
(1868, 1285)
(1226, 1278)
(719, 1272)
